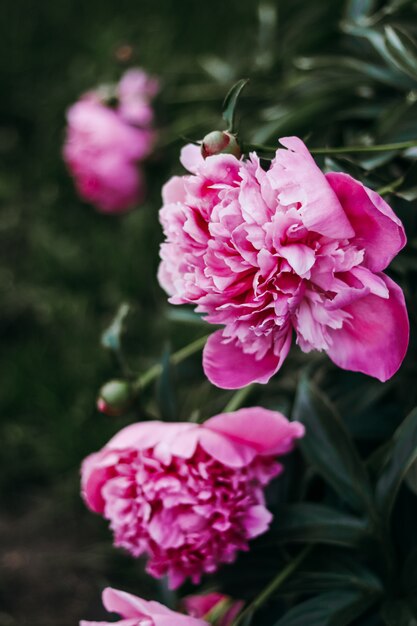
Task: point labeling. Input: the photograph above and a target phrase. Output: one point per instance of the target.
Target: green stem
(151, 374)
(238, 399)
(383, 191)
(402, 145)
(273, 586)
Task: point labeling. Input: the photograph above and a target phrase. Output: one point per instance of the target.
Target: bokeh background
(65, 269)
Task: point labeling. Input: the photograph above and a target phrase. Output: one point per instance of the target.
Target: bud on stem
(220, 142)
(115, 398)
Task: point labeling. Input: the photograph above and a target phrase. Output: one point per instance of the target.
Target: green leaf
(111, 337)
(357, 10)
(403, 50)
(400, 458)
(408, 187)
(335, 608)
(330, 573)
(309, 522)
(398, 613)
(230, 102)
(329, 448)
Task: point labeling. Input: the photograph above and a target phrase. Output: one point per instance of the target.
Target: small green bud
(115, 397)
(220, 142)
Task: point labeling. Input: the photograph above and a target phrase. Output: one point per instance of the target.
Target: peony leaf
(329, 448)
(329, 609)
(111, 337)
(399, 460)
(357, 10)
(337, 570)
(309, 522)
(230, 102)
(403, 50)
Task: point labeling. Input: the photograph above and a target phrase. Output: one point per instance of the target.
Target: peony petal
(174, 190)
(297, 178)
(191, 157)
(225, 450)
(377, 228)
(129, 605)
(300, 257)
(257, 521)
(268, 432)
(375, 340)
(143, 435)
(228, 367)
(95, 471)
(125, 604)
(124, 622)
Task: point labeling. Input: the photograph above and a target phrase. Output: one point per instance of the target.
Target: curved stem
(152, 373)
(238, 399)
(273, 586)
(402, 145)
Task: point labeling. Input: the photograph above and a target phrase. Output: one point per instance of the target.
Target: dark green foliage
(335, 73)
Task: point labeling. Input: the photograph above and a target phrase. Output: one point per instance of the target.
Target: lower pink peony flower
(105, 144)
(189, 496)
(290, 249)
(137, 612)
(203, 605)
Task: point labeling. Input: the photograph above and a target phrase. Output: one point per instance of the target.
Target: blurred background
(65, 268)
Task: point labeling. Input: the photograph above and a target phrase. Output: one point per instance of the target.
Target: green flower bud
(115, 397)
(220, 142)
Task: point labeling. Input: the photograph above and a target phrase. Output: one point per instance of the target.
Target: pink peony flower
(138, 612)
(104, 146)
(135, 91)
(188, 495)
(264, 253)
(204, 604)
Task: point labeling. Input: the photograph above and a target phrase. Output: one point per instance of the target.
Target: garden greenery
(270, 237)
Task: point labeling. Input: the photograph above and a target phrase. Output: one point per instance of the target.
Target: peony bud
(115, 398)
(215, 607)
(220, 142)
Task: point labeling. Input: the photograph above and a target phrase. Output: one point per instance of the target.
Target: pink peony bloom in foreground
(138, 612)
(204, 604)
(105, 145)
(266, 253)
(189, 496)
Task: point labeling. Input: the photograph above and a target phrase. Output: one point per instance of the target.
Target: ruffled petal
(228, 367)
(257, 520)
(95, 471)
(375, 340)
(377, 229)
(267, 432)
(298, 180)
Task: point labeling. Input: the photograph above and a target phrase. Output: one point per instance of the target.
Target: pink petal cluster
(105, 145)
(189, 496)
(138, 612)
(202, 605)
(266, 253)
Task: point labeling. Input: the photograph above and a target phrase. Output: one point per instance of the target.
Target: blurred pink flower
(136, 91)
(105, 145)
(202, 604)
(138, 612)
(264, 253)
(188, 495)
